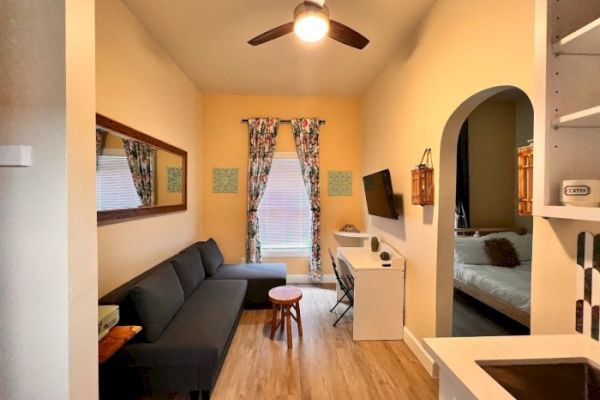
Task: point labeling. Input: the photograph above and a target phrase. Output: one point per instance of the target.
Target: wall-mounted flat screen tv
(380, 195)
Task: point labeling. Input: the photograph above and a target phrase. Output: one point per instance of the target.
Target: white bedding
(511, 285)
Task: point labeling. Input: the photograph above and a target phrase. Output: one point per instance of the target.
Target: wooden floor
(324, 364)
(473, 318)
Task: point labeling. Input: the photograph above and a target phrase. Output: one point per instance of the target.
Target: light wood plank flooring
(324, 364)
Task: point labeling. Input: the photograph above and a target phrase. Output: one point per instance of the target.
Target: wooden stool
(285, 297)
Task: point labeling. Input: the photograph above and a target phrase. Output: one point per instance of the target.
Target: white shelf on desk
(356, 235)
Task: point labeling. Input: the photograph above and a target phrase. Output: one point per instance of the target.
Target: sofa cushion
(261, 278)
(199, 333)
(195, 246)
(157, 298)
(189, 268)
(212, 258)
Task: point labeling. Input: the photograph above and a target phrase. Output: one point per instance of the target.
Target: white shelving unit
(583, 41)
(589, 118)
(567, 103)
(579, 213)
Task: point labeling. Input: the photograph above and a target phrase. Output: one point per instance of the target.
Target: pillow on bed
(522, 243)
(501, 253)
(470, 250)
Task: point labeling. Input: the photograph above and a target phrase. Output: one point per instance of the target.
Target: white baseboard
(419, 351)
(296, 279)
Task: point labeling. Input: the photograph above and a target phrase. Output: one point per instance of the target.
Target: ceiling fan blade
(346, 35)
(272, 34)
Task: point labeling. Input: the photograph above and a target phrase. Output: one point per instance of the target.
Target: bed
(507, 290)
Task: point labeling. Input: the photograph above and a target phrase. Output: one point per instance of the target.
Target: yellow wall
(140, 86)
(164, 160)
(225, 145)
(492, 164)
(462, 48)
(113, 142)
(81, 199)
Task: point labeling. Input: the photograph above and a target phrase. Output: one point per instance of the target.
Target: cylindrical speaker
(374, 244)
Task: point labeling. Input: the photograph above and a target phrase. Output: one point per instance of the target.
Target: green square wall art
(174, 179)
(225, 180)
(339, 183)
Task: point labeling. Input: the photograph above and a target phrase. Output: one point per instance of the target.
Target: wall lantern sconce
(422, 181)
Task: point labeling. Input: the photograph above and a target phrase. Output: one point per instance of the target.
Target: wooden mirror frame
(128, 213)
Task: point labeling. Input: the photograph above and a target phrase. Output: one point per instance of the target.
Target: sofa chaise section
(261, 278)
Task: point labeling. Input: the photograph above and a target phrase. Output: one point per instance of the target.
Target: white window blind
(284, 212)
(114, 185)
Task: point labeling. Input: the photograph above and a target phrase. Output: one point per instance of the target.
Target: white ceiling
(207, 39)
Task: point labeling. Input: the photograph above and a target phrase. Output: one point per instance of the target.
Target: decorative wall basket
(422, 181)
(525, 179)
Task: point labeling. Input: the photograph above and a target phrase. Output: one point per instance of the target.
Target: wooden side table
(116, 338)
(285, 298)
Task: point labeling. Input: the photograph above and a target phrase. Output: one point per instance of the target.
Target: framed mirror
(136, 174)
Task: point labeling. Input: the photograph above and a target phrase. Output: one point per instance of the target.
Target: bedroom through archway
(492, 240)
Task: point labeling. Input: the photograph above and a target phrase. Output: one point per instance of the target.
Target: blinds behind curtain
(284, 211)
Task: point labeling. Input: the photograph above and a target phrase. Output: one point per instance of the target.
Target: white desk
(378, 294)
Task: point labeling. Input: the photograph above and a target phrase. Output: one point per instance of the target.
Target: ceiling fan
(311, 23)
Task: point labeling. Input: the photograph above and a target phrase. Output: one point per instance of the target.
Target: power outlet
(243, 260)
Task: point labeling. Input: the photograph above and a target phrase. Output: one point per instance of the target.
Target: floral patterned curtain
(100, 139)
(306, 134)
(141, 164)
(263, 134)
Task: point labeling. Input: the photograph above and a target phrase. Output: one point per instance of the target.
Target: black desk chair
(346, 283)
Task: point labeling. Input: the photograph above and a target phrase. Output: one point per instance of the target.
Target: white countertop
(361, 258)
(458, 356)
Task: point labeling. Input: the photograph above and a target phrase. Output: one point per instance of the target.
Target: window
(284, 212)
(114, 186)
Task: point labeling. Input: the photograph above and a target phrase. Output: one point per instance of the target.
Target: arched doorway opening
(447, 221)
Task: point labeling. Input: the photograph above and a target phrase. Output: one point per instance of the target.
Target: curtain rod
(287, 121)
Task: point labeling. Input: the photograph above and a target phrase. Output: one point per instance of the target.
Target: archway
(446, 195)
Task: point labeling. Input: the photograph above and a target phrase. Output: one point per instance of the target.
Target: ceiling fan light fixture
(311, 22)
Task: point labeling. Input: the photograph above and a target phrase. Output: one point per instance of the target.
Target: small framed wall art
(339, 183)
(225, 180)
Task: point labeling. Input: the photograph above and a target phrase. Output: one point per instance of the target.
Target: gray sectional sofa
(189, 307)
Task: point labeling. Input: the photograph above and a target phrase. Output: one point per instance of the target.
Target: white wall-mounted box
(15, 156)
